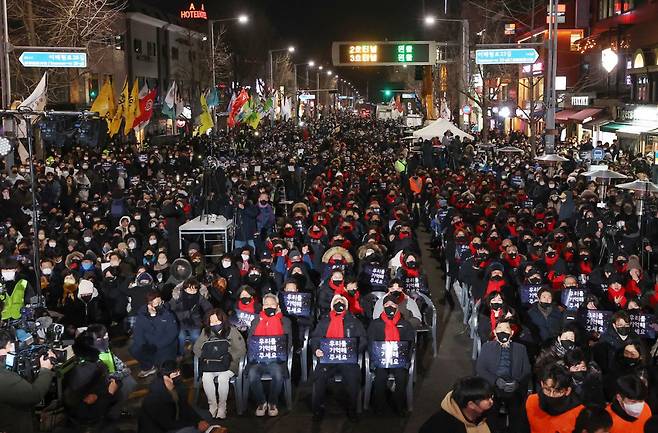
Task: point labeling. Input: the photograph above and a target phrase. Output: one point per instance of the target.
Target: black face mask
(545, 305)
(86, 298)
(553, 405)
(624, 330)
(337, 282)
(270, 311)
(217, 328)
(395, 295)
(496, 278)
(390, 311)
(629, 362)
(496, 306)
(534, 280)
(512, 255)
(245, 300)
(578, 376)
(412, 265)
(339, 307)
(503, 337)
(263, 202)
(254, 278)
(567, 344)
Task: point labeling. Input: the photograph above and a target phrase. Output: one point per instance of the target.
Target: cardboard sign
(242, 319)
(338, 351)
(597, 320)
(297, 304)
(641, 324)
(572, 299)
(267, 349)
(529, 293)
(390, 354)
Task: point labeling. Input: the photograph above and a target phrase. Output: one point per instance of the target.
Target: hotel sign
(194, 12)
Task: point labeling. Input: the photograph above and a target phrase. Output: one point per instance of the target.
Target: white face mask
(87, 239)
(226, 264)
(153, 241)
(633, 409)
(47, 271)
(132, 245)
(8, 275)
(52, 244)
(245, 257)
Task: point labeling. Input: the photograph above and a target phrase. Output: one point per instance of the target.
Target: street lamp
(329, 73)
(290, 49)
(311, 63)
(242, 19)
(609, 59)
(429, 20)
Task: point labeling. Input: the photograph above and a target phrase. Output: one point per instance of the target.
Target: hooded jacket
(450, 419)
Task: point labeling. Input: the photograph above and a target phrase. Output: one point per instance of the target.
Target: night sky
(312, 25)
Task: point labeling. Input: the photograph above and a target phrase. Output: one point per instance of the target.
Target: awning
(596, 122)
(564, 115)
(586, 114)
(626, 128)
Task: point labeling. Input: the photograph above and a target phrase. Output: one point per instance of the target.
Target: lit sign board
(384, 53)
(194, 12)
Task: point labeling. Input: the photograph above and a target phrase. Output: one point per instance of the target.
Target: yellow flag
(115, 124)
(132, 108)
(104, 104)
(205, 119)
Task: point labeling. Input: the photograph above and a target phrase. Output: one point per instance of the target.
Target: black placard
(242, 319)
(597, 320)
(529, 293)
(338, 351)
(572, 299)
(267, 349)
(297, 304)
(390, 354)
(641, 324)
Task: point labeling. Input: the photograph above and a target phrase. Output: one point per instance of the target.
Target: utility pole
(550, 97)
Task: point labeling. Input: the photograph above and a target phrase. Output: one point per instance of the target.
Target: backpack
(215, 356)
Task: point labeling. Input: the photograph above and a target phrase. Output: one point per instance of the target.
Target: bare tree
(222, 57)
(283, 72)
(88, 24)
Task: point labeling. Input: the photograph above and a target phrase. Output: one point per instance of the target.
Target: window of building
(573, 38)
(610, 8)
(118, 42)
(174, 53)
(137, 45)
(150, 49)
(642, 86)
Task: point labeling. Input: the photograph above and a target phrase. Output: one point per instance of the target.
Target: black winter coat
(160, 413)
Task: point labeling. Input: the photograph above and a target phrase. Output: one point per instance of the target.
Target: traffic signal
(93, 90)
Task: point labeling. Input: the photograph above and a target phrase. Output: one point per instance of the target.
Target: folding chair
(236, 382)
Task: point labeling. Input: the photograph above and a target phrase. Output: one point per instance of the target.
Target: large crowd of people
(556, 277)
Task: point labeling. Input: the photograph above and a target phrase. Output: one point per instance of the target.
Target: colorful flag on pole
(235, 108)
(213, 97)
(169, 106)
(36, 102)
(104, 103)
(115, 125)
(205, 119)
(145, 108)
(132, 110)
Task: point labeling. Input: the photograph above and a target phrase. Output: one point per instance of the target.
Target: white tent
(438, 128)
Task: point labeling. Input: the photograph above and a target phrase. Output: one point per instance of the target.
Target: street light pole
(549, 137)
(211, 32)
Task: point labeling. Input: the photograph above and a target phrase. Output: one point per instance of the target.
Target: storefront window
(609, 8)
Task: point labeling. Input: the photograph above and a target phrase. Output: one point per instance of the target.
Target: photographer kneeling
(18, 396)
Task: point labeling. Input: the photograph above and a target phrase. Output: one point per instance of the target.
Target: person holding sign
(338, 324)
(269, 323)
(219, 349)
(391, 327)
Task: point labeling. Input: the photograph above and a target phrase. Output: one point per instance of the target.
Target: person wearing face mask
(189, 302)
(630, 359)
(246, 227)
(410, 272)
(407, 306)
(155, 334)
(219, 349)
(505, 365)
(545, 315)
(615, 338)
(629, 409)
(89, 243)
(19, 397)
(86, 307)
(51, 281)
(269, 322)
(18, 291)
(265, 219)
(339, 323)
(390, 326)
(554, 408)
(586, 377)
(165, 409)
(554, 350)
(230, 272)
(465, 409)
